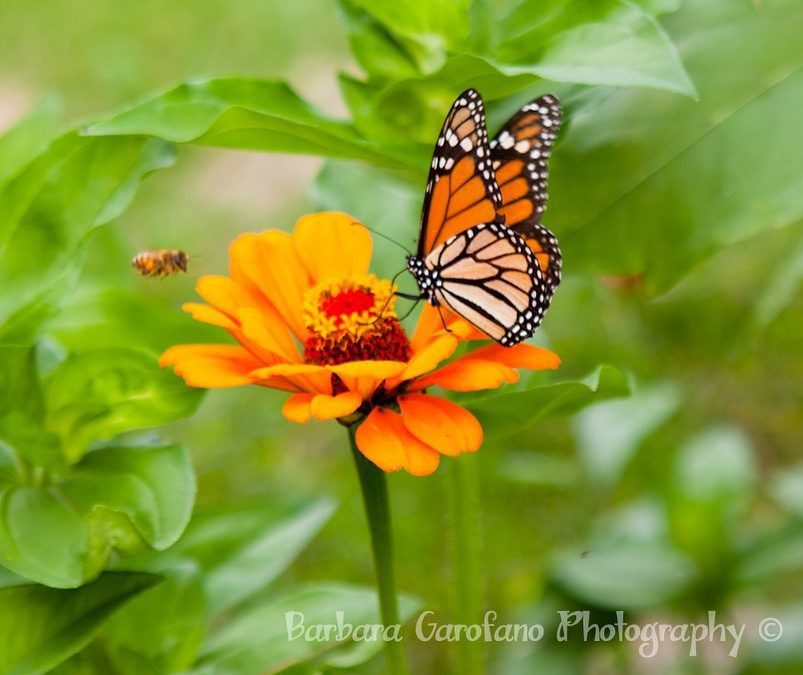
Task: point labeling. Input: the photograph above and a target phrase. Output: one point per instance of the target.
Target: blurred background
(680, 215)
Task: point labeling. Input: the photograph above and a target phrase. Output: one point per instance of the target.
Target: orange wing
(519, 153)
(461, 190)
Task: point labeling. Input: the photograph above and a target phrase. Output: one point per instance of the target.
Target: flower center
(353, 319)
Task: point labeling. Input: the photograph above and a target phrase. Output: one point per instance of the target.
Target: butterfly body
(482, 251)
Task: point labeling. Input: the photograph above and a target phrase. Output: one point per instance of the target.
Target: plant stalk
(373, 483)
(468, 591)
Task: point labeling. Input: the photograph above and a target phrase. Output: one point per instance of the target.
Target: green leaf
(608, 434)
(375, 48)
(94, 318)
(243, 549)
(101, 393)
(501, 414)
(716, 466)
(47, 210)
(256, 640)
(601, 42)
(41, 627)
(427, 29)
(127, 500)
(667, 181)
(162, 627)
(23, 436)
(260, 559)
(241, 113)
(20, 144)
(627, 576)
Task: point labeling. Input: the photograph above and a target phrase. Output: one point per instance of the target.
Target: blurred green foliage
(666, 482)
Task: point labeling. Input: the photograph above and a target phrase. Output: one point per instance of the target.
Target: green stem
(377, 509)
(468, 590)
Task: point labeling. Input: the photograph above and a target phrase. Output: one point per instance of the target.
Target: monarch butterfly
(160, 263)
(482, 251)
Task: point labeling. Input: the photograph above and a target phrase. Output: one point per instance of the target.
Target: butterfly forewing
(461, 191)
(489, 276)
(519, 153)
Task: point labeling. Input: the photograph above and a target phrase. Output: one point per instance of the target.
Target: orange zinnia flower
(311, 320)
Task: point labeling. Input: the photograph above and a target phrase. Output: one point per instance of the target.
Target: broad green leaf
(20, 144)
(163, 627)
(609, 434)
(241, 113)
(378, 52)
(28, 320)
(76, 185)
(95, 318)
(128, 500)
(628, 576)
(260, 559)
(98, 394)
(41, 627)
(666, 181)
(243, 549)
(716, 466)
(500, 414)
(27, 444)
(602, 42)
(259, 641)
(428, 29)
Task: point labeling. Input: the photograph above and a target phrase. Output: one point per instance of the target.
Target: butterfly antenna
(387, 302)
(384, 236)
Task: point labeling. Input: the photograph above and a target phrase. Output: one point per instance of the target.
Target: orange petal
(428, 358)
(332, 244)
(296, 408)
(211, 365)
(268, 265)
(466, 374)
(430, 324)
(365, 376)
(303, 407)
(304, 376)
(384, 440)
(444, 425)
(208, 314)
(325, 407)
(235, 300)
(521, 355)
(266, 330)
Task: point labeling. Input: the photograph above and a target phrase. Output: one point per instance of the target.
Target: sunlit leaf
(241, 113)
(500, 414)
(76, 185)
(98, 394)
(125, 499)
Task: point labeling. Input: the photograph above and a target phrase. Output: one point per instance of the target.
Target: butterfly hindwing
(489, 276)
(461, 190)
(519, 153)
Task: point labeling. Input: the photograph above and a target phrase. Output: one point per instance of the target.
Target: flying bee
(160, 263)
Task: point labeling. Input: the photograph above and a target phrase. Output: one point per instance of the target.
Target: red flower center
(348, 302)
